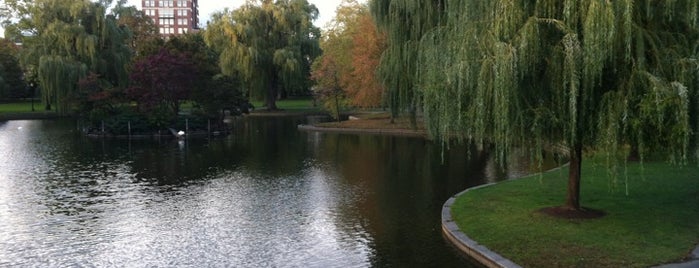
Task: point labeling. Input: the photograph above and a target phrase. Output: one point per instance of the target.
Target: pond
(266, 196)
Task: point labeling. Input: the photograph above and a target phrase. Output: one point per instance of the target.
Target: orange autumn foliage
(363, 89)
(352, 49)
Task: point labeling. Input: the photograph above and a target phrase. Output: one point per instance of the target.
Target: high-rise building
(173, 17)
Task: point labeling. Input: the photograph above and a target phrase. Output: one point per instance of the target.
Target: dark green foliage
(12, 84)
(220, 93)
(118, 123)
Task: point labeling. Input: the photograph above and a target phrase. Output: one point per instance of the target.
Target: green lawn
(292, 104)
(657, 222)
(20, 107)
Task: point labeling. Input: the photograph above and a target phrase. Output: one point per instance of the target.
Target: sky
(207, 7)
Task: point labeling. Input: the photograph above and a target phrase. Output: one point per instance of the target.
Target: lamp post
(31, 87)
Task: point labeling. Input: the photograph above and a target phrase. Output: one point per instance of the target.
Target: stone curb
(693, 263)
(392, 132)
(467, 245)
(491, 259)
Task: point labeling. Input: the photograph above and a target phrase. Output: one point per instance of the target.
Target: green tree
(194, 46)
(12, 83)
(64, 40)
(144, 39)
(405, 22)
(215, 91)
(582, 74)
(271, 44)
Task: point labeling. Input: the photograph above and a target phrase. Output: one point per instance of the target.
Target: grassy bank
(20, 107)
(292, 104)
(379, 120)
(22, 110)
(657, 222)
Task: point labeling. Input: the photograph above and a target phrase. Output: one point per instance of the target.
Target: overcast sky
(206, 7)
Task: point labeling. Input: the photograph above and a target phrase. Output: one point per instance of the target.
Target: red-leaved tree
(163, 81)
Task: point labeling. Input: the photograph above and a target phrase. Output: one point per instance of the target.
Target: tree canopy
(12, 84)
(270, 43)
(161, 82)
(404, 22)
(64, 40)
(141, 27)
(352, 47)
(583, 74)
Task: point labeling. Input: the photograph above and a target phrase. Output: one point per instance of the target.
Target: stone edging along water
(482, 254)
(490, 258)
(467, 245)
(451, 231)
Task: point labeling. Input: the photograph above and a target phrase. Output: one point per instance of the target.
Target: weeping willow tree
(596, 75)
(270, 43)
(64, 40)
(404, 22)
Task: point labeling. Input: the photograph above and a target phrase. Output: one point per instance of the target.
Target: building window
(182, 22)
(183, 30)
(165, 3)
(168, 13)
(166, 30)
(181, 3)
(181, 12)
(150, 12)
(149, 3)
(165, 21)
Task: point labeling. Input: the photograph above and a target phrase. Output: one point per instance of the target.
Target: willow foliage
(270, 43)
(594, 73)
(68, 39)
(404, 22)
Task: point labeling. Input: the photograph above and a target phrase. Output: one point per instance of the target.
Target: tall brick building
(173, 17)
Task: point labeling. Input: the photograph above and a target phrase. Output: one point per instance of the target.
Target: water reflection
(266, 196)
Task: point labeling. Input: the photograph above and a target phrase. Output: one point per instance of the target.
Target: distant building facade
(173, 17)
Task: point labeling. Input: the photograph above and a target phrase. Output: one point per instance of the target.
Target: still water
(266, 196)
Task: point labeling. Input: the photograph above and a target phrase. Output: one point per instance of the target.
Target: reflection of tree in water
(268, 146)
(403, 183)
(375, 198)
(274, 145)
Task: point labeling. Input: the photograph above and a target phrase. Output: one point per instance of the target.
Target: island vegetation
(106, 63)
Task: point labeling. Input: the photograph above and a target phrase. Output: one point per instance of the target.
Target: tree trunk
(283, 94)
(271, 101)
(573, 196)
(413, 117)
(337, 104)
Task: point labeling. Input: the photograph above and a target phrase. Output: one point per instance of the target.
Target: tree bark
(337, 104)
(271, 101)
(573, 196)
